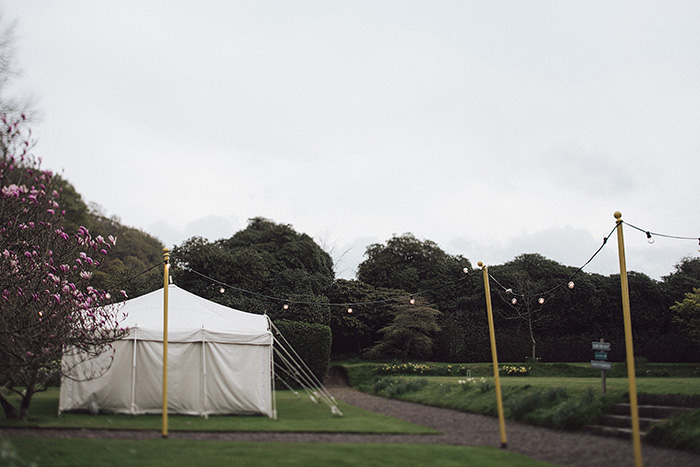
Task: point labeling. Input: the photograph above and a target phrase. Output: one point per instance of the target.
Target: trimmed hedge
(311, 341)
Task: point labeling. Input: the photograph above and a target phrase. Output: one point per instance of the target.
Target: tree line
(413, 300)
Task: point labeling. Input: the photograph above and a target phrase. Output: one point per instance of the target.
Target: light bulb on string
(412, 301)
(541, 300)
(108, 295)
(349, 310)
(466, 270)
(514, 301)
(650, 239)
(222, 290)
(285, 306)
(571, 284)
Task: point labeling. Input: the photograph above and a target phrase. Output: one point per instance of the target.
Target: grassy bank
(552, 395)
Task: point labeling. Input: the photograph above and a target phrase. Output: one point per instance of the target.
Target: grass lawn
(294, 415)
(100, 452)
(300, 415)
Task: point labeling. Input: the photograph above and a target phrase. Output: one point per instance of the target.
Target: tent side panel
(148, 390)
(239, 379)
(185, 378)
(110, 391)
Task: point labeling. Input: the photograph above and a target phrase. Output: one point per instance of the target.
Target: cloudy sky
(492, 128)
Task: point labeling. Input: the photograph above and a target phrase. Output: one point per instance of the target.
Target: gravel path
(464, 429)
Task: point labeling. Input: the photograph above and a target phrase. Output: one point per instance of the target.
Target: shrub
(391, 387)
(678, 432)
(508, 370)
(423, 369)
(311, 341)
(573, 414)
(527, 403)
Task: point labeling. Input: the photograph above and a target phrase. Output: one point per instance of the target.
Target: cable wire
(568, 280)
(656, 234)
(301, 302)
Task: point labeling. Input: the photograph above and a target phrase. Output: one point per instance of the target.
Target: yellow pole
(636, 440)
(166, 276)
(494, 355)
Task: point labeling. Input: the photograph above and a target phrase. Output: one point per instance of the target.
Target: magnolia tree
(47, 305)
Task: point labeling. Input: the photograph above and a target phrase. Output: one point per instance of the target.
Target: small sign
(601, 365)
(601, 346)
(601, 355)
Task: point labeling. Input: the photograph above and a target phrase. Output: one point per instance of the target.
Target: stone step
(650, 411)
(625, 421)
(613, 431)
(670, 400)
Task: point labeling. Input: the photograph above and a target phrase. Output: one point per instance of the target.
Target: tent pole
(166, 275)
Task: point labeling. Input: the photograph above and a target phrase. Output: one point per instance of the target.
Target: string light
(466, 270)
(541, 301)
(373, 302)
(222, 290)
(285, 306)
(571, 284)
(650, 239)
(514, 301)
(412, 301)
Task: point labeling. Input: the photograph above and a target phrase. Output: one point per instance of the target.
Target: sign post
(601, 350)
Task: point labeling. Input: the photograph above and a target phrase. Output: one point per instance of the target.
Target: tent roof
(192, 318)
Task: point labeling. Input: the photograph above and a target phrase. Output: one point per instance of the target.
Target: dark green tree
(371, 309)
(687, 314)
(265, 264)
(530, 288)
(414, 265)
(410, 334)
(684, 278)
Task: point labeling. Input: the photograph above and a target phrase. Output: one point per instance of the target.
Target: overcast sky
(492, 128)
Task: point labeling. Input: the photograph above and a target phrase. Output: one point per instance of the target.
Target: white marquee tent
(219, 361)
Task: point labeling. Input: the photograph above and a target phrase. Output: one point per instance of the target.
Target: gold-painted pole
(624, 285)
(494, 356)
(166, 281)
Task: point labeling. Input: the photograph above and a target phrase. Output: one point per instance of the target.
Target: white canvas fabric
(219, 361)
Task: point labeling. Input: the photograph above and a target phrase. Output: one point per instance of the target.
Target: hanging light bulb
(285, 306)
(349, 310)
(222, 290)
(108, 295)
(571, 284)
(514, 301)
(412, 301)
(466, 270)
(650, 239)
(541, 300)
